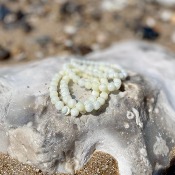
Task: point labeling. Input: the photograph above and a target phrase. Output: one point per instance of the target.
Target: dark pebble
(4, 53)
(148, 33)
(26, 27)
(20, 15)
(43, 40)
(4, 11)
(80, 49)
(69, 8)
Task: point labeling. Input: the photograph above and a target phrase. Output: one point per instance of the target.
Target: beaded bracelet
(100, 78)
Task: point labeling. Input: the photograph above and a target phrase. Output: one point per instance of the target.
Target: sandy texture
(100, 164)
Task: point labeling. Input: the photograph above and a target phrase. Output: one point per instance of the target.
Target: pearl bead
(117, 83)
(95, 93)
(104, 95)
(97, 105)
(53, 88)
(92, 98)
(74, 112)
(104, 81)
(89, 107)
(65, 110)
(59, 105)
(103, 87)
(54, 99)
(53, 93)
(101, 100)
(72, 103)
(88, 85)
(66, 99)
(95, 86)
(111, 87)
(81, 82)
(80, 106)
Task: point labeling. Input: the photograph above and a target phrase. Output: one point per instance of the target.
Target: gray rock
(135, 126)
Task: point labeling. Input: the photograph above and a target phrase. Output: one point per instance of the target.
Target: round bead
(111, 87)
(104, 81)
(88, 85)
(53, 88)
(81, 82)
(72, 103)
(74, 112)
(59, 105)
(117, 83)
(92, 98)
(89, 107)
(65, 110)
(104, 95)
(66, 99)
(80, 106)
(101, 100)
(97, 105)
(95, 93)
(95, 86)
(103, 87)
(54, 99)
(53, 93)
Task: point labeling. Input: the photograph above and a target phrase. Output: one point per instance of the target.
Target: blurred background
(35, 29)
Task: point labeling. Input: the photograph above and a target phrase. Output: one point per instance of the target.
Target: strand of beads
(99, 78)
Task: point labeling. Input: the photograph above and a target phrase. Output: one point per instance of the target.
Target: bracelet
(101, 78)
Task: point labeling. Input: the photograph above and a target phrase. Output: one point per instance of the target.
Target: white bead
(66, 99)
(101, 100)
(111, 87)
(81, 82)
(104, 81)
(72, 103)
(53, 93)
(89, 107)
(104, 95)
(65, 110)
(80, 106)
(97, 105)
(54, 99)
(74, 112)
(95, 86)
(59, 105)
(64, 93)
(53, 88)
(117, 83)
(95, 93)
(88, 85)
(92, 98)
(103, 87)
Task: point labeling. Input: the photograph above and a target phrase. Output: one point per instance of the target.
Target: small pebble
(148, 33)
(4, 53)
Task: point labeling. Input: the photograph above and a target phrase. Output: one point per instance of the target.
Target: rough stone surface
(135, 126)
